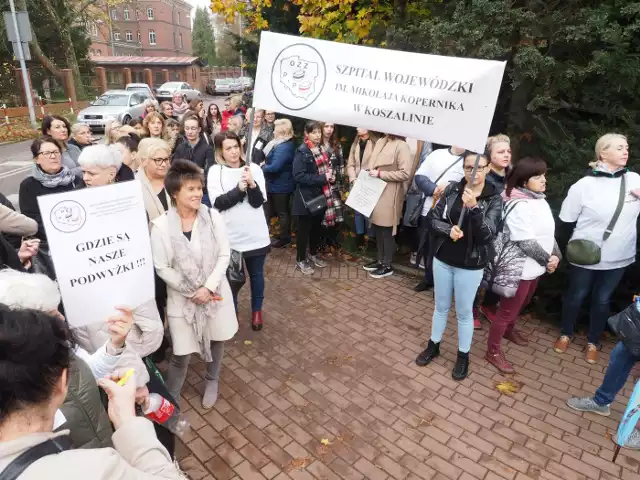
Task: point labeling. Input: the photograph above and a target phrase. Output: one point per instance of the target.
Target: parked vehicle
(139, 87)
(247, 82)
(210, 89)
(236, 85)
(222, 86)
(165, 92)
(120, 105)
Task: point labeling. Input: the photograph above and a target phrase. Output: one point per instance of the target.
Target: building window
(99, 52)
(116, 35)
(181, 44)
(114, 14)
(150, 14)
(91, 51)
(94, 30)
(139, 37)
(179, 18)
(152, 37)
(137, 14)
(126, 13)
(129, 36)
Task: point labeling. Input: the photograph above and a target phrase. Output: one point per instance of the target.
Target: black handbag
(235, 272)
(626, 326)
(315, 205)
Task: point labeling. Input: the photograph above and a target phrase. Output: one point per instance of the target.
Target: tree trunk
(45, 61)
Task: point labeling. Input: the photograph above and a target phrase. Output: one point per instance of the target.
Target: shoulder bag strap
(616, 214)
(35, 453)
(447, 169)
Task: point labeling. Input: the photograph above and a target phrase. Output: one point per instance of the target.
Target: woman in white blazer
(191, 254)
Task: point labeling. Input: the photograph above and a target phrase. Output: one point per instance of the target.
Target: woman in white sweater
(530, 252)
(238, 192)
(590, 208)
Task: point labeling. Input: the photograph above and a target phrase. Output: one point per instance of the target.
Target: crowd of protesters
(478, 224)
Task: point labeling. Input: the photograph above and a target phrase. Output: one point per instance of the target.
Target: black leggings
(309, 234)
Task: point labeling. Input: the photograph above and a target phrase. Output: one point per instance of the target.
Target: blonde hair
(285, 123)
(235, 101)
(604, 142)
(500, 138)
(152, 116)
(125, 130)
(150, 102)
(149, 146)
(109, 127)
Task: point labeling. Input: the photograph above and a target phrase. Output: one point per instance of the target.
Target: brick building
(150, 28)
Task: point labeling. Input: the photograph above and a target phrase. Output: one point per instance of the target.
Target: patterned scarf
(63, 177)
(195, 265)
(321, 157)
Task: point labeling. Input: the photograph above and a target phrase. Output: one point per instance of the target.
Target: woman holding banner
(391, 161)
(191, 254)
(238, 191)
(463, 223)
(49, 175)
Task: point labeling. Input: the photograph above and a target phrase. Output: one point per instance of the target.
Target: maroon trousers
(508, 312)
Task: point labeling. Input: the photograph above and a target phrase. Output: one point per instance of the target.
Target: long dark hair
(334, 141)
(209, 119)
(522, 171)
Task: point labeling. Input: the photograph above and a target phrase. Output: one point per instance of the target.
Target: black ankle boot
(461, 368)
(432, 351)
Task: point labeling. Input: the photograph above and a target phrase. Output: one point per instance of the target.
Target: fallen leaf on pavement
(298, 463)
(248, 342)
(325, 442)
(507, 388)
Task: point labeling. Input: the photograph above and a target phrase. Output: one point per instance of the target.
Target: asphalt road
(16, 161)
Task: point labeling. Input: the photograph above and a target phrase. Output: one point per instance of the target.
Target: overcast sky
(200, 3)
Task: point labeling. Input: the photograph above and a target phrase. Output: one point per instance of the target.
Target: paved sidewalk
(329, 390)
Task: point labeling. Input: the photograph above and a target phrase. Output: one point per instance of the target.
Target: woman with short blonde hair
(601, 209)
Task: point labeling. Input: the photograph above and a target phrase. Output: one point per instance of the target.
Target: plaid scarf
(321, 157)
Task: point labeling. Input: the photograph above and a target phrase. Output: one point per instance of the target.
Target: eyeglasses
(470, 169)
(160, 161)
(51, 154)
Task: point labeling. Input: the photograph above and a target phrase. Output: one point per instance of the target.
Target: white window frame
(149, 10)
(94, 30)
(181, 41)
(125, 13)
(128, 35)
(116, 36)
(152, 41)
(114, 14)
(179, 15)
(139, 36)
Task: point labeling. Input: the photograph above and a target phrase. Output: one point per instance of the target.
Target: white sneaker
(305, 268)
(413, 258)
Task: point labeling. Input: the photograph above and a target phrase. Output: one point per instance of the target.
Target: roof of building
(164, 61)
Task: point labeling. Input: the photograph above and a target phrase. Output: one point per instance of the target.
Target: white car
(247, 82)
(223, 86)
(120, 105)
(166, 91)
(139, 87)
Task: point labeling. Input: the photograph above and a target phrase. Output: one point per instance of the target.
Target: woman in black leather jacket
(460, 255)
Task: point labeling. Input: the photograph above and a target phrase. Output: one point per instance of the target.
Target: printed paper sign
(445, 100)
(365, 193)
(99, 243)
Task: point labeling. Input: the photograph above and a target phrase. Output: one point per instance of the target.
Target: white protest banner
(99, 242)
(365, 193)
(446, 100)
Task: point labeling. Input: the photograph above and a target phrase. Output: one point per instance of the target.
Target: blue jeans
(361, 223)
(463, 283)
(621, 362)
(601, 284)
(255, 268)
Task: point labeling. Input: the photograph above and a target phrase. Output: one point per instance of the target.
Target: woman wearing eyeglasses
(460, 255)
(49, 175)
